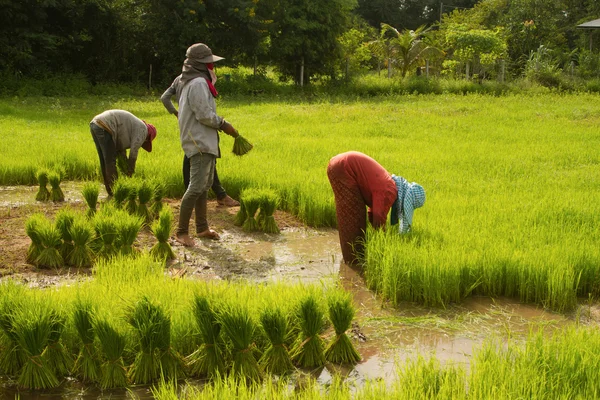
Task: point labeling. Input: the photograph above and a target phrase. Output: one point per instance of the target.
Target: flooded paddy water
(384, 334)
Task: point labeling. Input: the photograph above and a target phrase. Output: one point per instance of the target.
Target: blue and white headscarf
(410, 196)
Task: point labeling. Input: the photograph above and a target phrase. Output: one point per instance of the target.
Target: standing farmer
(357, 181)
(198, 130)
(115, 131)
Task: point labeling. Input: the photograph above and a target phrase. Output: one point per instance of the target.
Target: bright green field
(513, 194)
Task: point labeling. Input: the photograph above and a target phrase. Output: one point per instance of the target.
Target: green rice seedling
(50, 256)
(42, 177)
(158, 193)
(268, 204)
(128, 227)
(155, 357)
(241, 215)
(87, 365)
(56, 193)
(63, 222)
(241, 146)
(208, 360)
(106, 227)
(90, 193)
(12, 356)
(120, 192)
(239, 327)
(33, 327)
(308, 350)
(58, 358)
(132, 205)
(276, 358)
(341, 313)
(251, 200)
(144, 196)
(82, 233)
(162, 229)
(122, 165)
(113, 372)
(32, 228)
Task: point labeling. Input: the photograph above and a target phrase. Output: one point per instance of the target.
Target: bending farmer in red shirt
(357, 181)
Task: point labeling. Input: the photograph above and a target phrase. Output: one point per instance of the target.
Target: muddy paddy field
(383, 334)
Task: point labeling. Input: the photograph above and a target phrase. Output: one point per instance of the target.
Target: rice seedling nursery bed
(512, 210)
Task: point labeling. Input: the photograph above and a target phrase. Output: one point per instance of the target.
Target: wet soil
(384, 334)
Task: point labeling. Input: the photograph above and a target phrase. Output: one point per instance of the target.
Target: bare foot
(209, 234)
(185, 240)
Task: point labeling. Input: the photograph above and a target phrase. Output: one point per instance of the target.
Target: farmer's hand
(176, 114)
(229, 129)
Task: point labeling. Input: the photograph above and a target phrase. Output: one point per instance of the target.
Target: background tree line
(120, 40)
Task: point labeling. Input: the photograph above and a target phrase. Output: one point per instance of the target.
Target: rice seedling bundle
(145, 193)
(162, 228)
(239, 327)
(208, 359)
(308, 350)
(157, 197)
(106, 227)
(251, 200)
(42, 177)
(113, 372)
(12, 356)
(341, 313)
(87, 365)
(132, 205)
(241, 146)
(155, 357)
(56, 193)
(120, 192)
(63, 222)
(122, 165)
(276, 358)
(268, 204)
(33, 326)
(32, 227)
(90, 193)
(128, 227)
(58, 358)
(82, 234)
(51, 241)
(241, 215)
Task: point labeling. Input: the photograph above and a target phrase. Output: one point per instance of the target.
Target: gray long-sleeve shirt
(198, 119)
(173, 90)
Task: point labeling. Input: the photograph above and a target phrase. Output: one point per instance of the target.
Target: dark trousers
(107, 152)
(216, 183)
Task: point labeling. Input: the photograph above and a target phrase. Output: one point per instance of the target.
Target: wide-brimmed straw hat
(200, 52)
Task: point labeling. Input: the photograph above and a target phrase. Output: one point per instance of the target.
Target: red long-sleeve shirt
(376, 185)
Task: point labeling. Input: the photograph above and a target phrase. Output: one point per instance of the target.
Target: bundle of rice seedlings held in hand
(33, 326)
(251, 200)
(268, 204)
(145, 193)
(82, 234)
(162, 229)
(51, 242)
(63, 222)
(276, 358)
(120, 191)
(56, 354)
(308, 350)
(12, 356)
(208, 359)
(114, 374)
(56, 193)
(155, 358)
(32, 228)
(341, 313)
(241, 146)
(240, 328)
(90, 193)
(42, 177)
(87, 365)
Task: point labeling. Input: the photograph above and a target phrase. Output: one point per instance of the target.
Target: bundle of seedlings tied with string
(56, 354)
(128, 227)
(158, 193)
(239, 327)
(33, 325)
(56, 193)
(162, 228)
(106, 227)
(42, 177)
(251, 200)
(308, 349)
(155, 357)
(241, 215)
(120, 191)
(32, 228)
(269, 201)
(341, 313)
(241, 146)
(113, 372)
(132, 194)
(208, 360)
(51, 241)
(87, 365)
(82, 234)
(63, 221)
(276, 358)
(145, 192)
(90, 193)
(12, 356)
